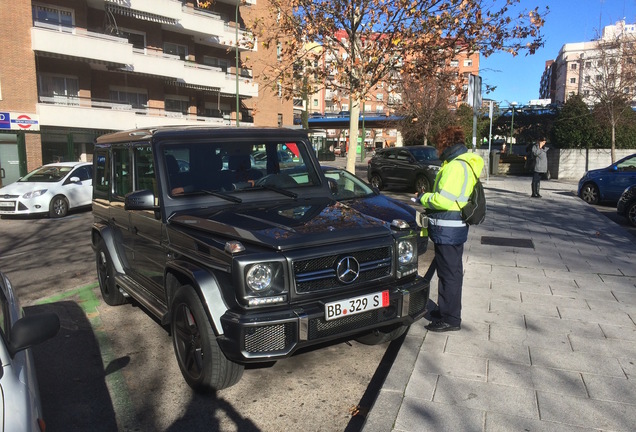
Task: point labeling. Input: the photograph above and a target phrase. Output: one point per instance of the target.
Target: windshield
(423, 154)
(349, 186)
(47, 174)
(204, 167)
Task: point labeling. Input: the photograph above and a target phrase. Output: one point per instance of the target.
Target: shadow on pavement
(71, 374)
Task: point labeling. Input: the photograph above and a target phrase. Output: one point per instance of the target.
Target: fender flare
(206, 285)
(105, 233)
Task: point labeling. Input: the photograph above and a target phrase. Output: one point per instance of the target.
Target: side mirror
(32, 330)
(74, 179)
(614, 168)
(333, 186)
(140, 200)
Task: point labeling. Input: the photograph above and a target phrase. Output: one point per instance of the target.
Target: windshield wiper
(218, 194)
(277, 189)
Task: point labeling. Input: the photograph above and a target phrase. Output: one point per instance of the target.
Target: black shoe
(441, 326)
(538, 196)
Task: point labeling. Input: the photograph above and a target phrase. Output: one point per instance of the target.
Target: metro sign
(19, 121)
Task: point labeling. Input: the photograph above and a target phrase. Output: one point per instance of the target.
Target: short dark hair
(449, 137)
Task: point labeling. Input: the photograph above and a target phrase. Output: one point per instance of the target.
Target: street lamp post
(512, 125)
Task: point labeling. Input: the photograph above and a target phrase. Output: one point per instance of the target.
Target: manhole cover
(507, 241)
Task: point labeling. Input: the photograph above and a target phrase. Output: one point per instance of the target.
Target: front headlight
(259, 277)
(34, 194)
(406, 252)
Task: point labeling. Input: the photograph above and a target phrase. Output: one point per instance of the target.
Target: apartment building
(72, 70)
(580, 66)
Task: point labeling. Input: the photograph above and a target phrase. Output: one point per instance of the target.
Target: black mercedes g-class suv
(244, 260)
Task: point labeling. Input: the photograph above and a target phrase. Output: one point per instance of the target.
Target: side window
(101, 181)
(404, 156)
(4, 314)
(84, 173)
(144, 170)
(122, 174)
(391, 155)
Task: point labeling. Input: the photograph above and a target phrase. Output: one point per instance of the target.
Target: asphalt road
(113, 368)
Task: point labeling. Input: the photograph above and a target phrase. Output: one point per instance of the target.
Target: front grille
(319, 274)
(319, 328)
(417, 302)
(271, 338)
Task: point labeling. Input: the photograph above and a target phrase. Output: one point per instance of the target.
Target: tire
(631, 214)
(58, 207)
(203, 366)
(376, 181)
(590, 193)
(382, 335)
(422, 185)
(106, 277)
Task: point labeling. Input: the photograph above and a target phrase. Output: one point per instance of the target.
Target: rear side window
(101, 180)
(122, 178)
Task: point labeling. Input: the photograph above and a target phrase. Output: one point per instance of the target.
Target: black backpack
(474, 212)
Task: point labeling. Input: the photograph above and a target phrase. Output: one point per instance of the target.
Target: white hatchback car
(52, 189)
(20, 408)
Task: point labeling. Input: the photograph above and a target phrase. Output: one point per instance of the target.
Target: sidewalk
(548, 338)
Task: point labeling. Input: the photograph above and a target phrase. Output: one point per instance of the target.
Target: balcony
(74, 112)
(81, 45)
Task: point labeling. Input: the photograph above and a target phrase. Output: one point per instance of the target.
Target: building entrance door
(9, 163)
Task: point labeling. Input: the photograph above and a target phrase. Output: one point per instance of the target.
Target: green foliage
(574, 126)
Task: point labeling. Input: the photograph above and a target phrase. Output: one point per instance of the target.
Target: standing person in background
(453, 185)
(539, 152)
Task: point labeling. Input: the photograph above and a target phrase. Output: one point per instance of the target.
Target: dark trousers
(450, 271)
(536, 183)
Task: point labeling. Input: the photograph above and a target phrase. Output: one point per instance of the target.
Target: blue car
(607, 184)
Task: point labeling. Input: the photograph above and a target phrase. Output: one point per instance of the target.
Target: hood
(20, 188)
(286, 226)
(384, 208)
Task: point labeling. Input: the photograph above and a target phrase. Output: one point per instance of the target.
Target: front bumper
(251, 338)
(20, 206)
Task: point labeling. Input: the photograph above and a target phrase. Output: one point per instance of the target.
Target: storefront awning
(108, 64)
(146, 16)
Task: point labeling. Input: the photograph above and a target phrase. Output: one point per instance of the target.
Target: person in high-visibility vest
(453, 185)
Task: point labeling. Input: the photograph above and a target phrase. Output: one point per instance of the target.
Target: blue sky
(517, 78)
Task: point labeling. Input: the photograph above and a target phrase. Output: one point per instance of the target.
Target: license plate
(7, 204)
(356, 305)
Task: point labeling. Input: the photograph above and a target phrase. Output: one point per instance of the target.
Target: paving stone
(524, 309)
(619, 332)
(545, 325)
(604, 347)
(536, 377)
(554, 300)
(587, 412)
(622, 390)
(451, 365)
(530, 338)
(595, 317)
(496, 422)
(576, 362)
(417, 416)
(467, 346)
(486, 396)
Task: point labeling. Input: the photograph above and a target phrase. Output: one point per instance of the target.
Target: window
(572, 80)
(280, 120)
(180, 104)
(54, 17)
(180, 51)
(122, 182)
(573, 66)
(224, 64)
(379, 97)
(468, 62)
(279, 52)
(137, 98)
(454, 63)
(83, 173)
(63, 89)
(587, 79)
(144, 170)
(588, 64)
(136, 39)
(598, 77)
(586, 92)
(102, 175)
(315, 102)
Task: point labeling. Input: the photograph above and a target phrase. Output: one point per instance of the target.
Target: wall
(572, 163)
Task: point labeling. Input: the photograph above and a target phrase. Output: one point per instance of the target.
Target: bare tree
(364, 41)
(608, 79)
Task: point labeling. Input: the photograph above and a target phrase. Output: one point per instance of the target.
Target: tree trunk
(354, 115)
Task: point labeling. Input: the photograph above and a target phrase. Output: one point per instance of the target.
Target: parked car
(20, 407)
(413, 167)
(627, 204)
(354, 192)
(244, 265)
(607, 184)
(52, 189)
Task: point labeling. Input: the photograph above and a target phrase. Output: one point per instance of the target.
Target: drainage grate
(506, 241)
